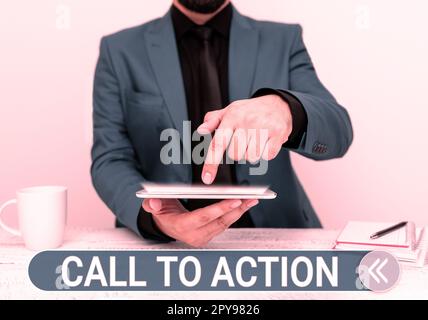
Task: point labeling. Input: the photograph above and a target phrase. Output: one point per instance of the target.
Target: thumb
(152, 205)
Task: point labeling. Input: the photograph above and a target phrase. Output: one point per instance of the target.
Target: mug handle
(11, 230)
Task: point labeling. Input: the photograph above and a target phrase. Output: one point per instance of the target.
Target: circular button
(379, 271)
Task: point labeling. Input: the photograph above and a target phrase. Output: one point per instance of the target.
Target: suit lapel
(162, 50)
(243, 49)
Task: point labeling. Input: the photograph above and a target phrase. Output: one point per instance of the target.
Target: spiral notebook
(408, 244)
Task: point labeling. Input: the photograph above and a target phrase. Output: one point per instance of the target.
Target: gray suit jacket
(138, 92)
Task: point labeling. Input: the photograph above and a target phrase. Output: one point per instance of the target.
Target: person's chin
(202, 6)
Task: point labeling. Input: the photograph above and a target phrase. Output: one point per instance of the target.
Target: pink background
(371, 54)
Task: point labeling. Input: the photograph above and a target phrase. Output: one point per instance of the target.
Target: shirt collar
(220, 22)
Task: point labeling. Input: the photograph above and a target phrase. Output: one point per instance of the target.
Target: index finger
(216, 149)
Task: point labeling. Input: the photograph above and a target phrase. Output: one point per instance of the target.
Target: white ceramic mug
(42, 214)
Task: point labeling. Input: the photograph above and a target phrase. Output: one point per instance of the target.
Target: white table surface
(15, 284)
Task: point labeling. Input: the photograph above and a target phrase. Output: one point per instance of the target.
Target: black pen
(383, 232)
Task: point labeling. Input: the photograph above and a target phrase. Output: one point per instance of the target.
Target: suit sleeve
(298, 114)
(328, 132)
(114, 168)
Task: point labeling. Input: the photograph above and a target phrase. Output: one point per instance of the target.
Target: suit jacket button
(316, 147)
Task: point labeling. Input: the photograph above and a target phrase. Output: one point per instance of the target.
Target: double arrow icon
(379, 271)
(375, 270)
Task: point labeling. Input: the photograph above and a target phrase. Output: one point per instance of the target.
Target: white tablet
(180, 191)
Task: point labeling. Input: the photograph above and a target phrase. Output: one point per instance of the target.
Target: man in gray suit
(231, 76)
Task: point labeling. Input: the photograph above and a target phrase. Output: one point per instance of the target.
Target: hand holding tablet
(199, 226)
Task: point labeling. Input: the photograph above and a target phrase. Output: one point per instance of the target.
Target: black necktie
(211, 100)
(209, 76)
